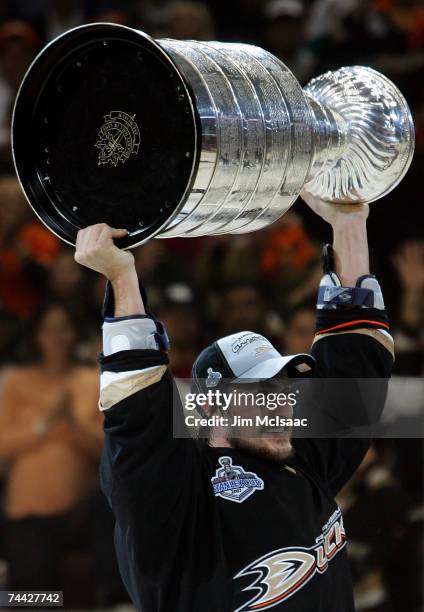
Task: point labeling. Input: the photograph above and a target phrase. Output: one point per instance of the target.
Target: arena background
(201, 288)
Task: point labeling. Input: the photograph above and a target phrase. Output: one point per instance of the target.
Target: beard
(278, 451)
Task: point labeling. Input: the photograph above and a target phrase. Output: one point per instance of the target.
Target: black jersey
(184, 545)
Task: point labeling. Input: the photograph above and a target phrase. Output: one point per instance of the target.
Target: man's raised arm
(352, 341)
(352, 332)
(146, 473)
(136, 388)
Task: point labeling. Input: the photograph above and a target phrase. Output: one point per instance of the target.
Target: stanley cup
(181, 138)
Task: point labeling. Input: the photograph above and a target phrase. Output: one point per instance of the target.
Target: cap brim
(271, 367)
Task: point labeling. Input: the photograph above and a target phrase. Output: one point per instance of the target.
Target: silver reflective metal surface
(364, 135)
(257, 131)
(235, 141)
(347, 137)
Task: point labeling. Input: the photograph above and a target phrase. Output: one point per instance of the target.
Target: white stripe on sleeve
(117, 386)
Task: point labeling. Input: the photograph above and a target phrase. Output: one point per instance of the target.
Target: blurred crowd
(55, 529)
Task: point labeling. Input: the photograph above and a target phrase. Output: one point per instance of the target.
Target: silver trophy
(181, 138)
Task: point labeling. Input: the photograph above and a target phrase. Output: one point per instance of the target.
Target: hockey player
(187, 539)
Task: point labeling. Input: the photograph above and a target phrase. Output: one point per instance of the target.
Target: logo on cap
(233, 483)
(213, 378)
(118, 138)
(264, 348)
(245, 340)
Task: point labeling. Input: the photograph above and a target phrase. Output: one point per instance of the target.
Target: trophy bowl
(174, 138)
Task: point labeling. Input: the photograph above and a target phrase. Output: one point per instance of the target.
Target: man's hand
(350, 244)
(96, 250)
(335, 214)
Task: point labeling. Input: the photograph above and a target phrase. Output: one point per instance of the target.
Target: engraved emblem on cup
(118, 138)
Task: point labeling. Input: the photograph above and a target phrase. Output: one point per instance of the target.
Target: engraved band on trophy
(181, 138)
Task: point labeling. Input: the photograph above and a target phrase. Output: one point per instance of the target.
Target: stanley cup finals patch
(232, 482)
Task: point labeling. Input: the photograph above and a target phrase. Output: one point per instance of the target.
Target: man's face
(56, 335)
(275, 449)
(267, 440)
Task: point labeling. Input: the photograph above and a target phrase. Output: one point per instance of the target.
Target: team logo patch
(118, 138)
(232, 482)
(281, 573)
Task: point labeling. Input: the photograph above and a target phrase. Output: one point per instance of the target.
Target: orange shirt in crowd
(49, 471)
(287, 245)
(34, 242)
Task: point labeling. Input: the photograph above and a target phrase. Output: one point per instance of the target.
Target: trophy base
(90, 123)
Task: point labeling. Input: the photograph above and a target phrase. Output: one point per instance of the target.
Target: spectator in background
(181, 318)
(327, 18)
(68, 282)
(51, 438)
(152, 261)
(285, 22)
(53, 17)
(374, 507)
(18, 45)
(281, 258)
(187, 20)
(148, 15)
(299, 330)
(27, 250)
(403, 566)
(290, 263)
(66, 279)
(385, 34)
(238, 20)
(409, 331)
(242, 306)
(111, 16)
(62, 15)
(9, 333)
(225, 258)
(402, 25)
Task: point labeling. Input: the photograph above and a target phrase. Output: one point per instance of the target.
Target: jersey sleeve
(353, 345)
(149, 477)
